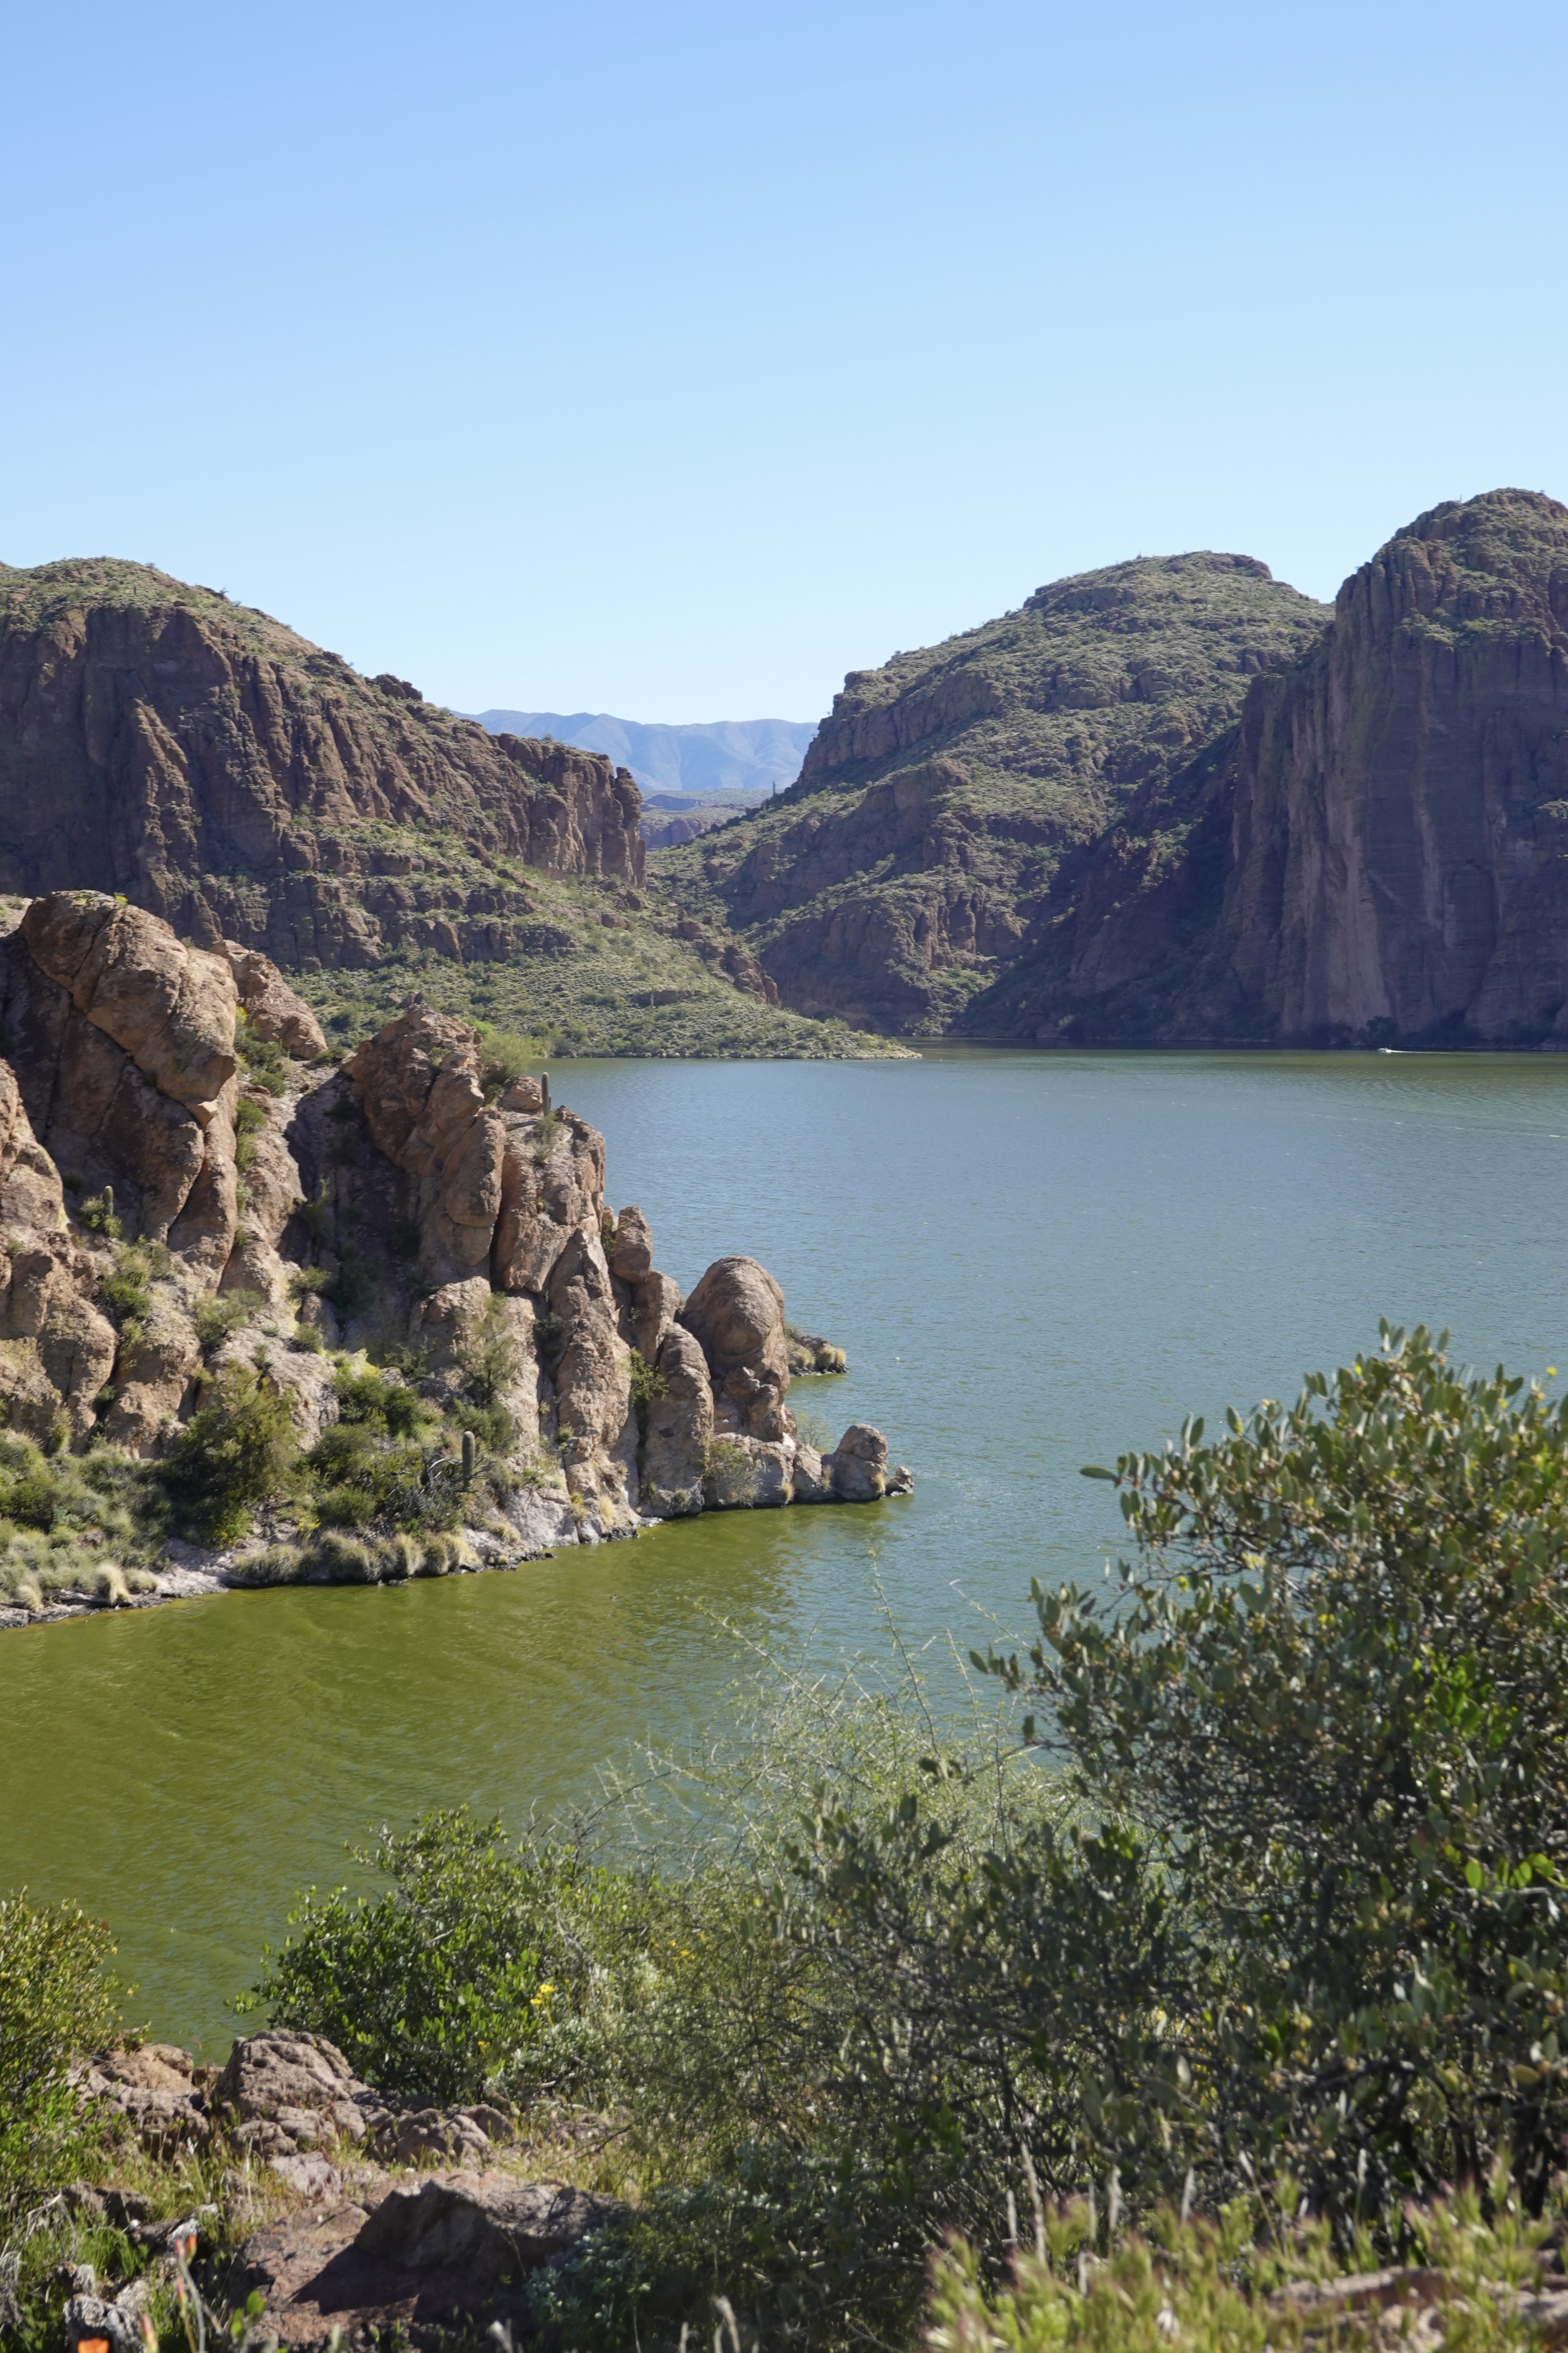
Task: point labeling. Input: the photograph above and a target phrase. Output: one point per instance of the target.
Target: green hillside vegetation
(894, 882)
(598, 971)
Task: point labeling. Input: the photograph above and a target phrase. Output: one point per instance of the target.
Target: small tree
(1330, 1694)
(239, 1451)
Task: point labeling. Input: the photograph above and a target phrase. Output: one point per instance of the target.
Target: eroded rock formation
(407, 1204)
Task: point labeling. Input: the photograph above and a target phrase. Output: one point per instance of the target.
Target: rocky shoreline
(409, 1257)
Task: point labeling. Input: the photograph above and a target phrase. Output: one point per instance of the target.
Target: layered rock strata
(227, 774)
(460, 1224)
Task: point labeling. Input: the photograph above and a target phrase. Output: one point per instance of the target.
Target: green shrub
(223, 1312)
(237, 1452)
(489, 1355)
(57, 2002)
(125, 1291)
(303, 1279)
(432, 1988)
(264, 1064)
(506, 1057)
(648, 1383)
(96, 1214)
(250, 1119)
(1329, 1691)
(352, 1288)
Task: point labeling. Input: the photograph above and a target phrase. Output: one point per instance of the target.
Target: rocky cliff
(1377, 851)
(410, 1246)
(224, 772)
(899, 878)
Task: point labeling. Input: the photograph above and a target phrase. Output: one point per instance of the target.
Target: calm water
(1034, 1262)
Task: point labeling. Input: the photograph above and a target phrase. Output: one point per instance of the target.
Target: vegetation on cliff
(940, 797)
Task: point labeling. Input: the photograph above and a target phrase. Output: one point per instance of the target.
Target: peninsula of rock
(196, 1204)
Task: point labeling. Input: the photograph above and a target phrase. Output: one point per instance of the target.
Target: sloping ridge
(158, 740)
(899, 878)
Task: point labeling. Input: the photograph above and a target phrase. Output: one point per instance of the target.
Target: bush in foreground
(57, 2002)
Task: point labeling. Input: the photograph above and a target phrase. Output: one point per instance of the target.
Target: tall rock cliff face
(1399, 833)
(1378, 851)
(224, 774)
(899, 878)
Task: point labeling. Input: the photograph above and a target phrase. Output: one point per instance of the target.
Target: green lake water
(1034, 1262)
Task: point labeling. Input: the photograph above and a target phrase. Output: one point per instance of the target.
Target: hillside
(724, 756)
(219, 770)
(1377, 850)
(899, 877)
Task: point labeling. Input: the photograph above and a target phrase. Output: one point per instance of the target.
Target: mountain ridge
(698, 759)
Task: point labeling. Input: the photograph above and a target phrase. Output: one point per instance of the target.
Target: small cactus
(544, 1089)
(109, 1202)
(468, 1458)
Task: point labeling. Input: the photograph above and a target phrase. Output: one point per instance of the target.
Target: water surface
(1034, 1260)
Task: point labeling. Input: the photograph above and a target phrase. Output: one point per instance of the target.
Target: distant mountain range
(729, 756)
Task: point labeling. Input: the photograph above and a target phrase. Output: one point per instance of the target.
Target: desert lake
(1034, 1260)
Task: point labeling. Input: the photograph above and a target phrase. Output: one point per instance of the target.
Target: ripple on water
(1034, 1261)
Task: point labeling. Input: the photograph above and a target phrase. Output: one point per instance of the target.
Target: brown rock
(680, 1432)
(486, 2229)
(632, 1256)
(169, 1007)
(859, 1465)
(283, 2069)
(155, 737)
(419, 1082)
(736, 1313)
(274, 1010)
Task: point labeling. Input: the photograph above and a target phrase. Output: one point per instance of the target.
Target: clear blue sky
(673, 360)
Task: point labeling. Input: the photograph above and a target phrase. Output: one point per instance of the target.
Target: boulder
(654, 1305)
(274, 1010)
(680, 1432)
(736, 1314)
(745, 1473)
(858, 1464)
(418, 1080)
(299, 2084)
(169, 1007)
(486, 2230)
(631, 1255)
(812, 1480)
(87, 2320)
(152, 2086)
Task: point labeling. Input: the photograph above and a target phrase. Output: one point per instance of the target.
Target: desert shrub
(57, 2002)
(96, 1214)
(492, 1425)
(354, 1287)
(223, 1312)
(264, 1064)
(250, 1119)
(237, 1452)
(303, 1279)
(124, 1291)
(648, 1383)
(372, 1401)
(436, 1986)
(506, 1057)
(489, 1355)
(1329, 1693)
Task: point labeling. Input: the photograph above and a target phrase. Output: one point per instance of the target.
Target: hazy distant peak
(721, 756)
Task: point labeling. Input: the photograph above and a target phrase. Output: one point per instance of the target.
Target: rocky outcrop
(155, 737)
(276, 1012)
(938, 801)
(484, 2230)
(167, 1209)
